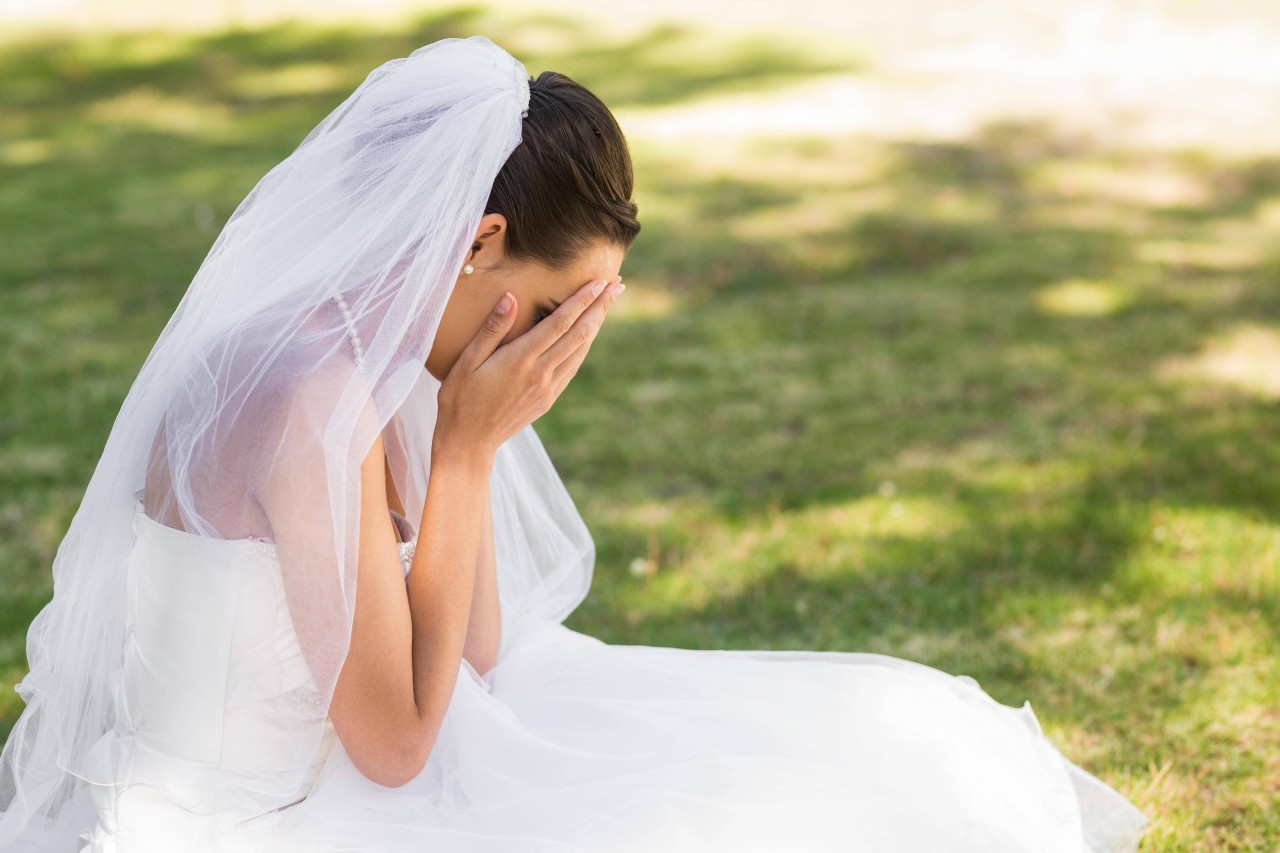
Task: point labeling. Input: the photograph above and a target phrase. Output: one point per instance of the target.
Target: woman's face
(537, 289)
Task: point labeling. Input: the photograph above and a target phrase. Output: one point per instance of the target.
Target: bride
(313, 597)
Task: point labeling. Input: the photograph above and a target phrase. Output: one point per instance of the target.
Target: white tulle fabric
(181, 675)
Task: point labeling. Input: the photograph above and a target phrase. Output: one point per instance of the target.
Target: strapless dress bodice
(217, 712)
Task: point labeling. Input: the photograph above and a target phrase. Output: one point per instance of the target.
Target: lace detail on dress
(405, 548)
(410, 540)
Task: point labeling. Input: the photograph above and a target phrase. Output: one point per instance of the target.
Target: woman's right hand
(493, 391)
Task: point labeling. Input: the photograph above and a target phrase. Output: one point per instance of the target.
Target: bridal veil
(302, 337)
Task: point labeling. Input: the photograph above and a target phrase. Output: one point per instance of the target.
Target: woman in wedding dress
(313, 597)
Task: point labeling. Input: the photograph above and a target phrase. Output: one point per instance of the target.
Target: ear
(490, 235)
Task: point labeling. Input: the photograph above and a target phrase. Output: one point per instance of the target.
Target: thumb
(491, 332)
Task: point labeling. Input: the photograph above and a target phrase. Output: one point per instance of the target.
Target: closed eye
(543, 313)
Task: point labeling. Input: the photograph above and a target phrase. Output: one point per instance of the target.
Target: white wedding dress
(567, 744)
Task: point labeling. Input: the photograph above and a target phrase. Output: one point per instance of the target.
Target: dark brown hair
(569, 181)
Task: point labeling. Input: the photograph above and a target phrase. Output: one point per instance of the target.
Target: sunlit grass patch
(145, 108)
(28, 152)
(1223, 254)
(1082, 298)
(1246, 359)
(1207, 550)
(304, 78)
(1134, 180)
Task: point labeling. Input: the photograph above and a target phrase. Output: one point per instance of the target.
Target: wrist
(453, 452)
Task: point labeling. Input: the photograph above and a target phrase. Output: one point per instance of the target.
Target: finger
(565, 370)
(560, 385)
(585, 327)
(560, 321)
(490, 334)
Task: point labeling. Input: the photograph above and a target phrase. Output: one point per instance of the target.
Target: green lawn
(1008, 406)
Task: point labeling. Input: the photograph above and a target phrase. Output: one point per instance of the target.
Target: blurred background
(953, 332)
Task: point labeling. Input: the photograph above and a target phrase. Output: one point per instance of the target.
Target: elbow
(483, 661)
(402, 764)
(483, 655)
(412, 760)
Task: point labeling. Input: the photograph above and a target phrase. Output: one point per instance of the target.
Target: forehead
(600, 260)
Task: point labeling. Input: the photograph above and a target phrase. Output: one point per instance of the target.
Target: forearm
(442, 578)
(484, 627)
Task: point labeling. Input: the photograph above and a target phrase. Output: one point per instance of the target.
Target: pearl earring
(468, 269)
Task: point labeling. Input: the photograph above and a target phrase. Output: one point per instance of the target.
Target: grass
(1008, 406)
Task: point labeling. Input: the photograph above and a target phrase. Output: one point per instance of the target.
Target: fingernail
(597, 287)
(504, 305)
(617, 289)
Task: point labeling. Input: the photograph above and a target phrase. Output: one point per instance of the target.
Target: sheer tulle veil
(256, 379)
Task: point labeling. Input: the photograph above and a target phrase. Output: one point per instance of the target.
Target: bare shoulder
(299, 427)
(308, 405)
